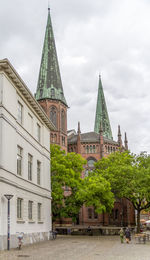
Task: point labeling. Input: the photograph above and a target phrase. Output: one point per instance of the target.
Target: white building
(24, 161)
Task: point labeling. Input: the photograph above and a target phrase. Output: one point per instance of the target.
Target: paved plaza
(81, 248)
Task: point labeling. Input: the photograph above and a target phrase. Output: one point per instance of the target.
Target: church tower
(49, 91)
(101, 117)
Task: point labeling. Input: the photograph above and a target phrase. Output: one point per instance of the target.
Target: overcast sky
(107, 37)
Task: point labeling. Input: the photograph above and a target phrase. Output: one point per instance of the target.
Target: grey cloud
(107, 37)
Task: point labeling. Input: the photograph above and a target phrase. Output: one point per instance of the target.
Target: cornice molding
(8, 69)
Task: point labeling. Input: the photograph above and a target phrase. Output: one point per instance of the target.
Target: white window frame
(30, 166)
(19, 208)
(19, 160)
(30, 210)
(38, 172)
(39, 212)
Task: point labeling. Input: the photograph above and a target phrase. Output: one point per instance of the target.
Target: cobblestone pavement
(81, 248)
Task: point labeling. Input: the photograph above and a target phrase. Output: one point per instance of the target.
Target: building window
(53, 115)
(63, 120)
(39, 206)
(87, 149)
(93, 148)
(91, 163)
(30, 210)
(19, 160)
(66, 188)
(38, 133)
(19, 208)
(52, 93)
(30, 158)
(95, 215)
(63, 140)
(116, 214)
(38, 172)
(41, 93)
(55, 138)
(89, 213)
(20, 113)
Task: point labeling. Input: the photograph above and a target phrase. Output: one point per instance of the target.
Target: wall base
(28, 239)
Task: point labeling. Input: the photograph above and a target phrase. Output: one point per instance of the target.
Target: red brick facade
(123, 212)
(60, 120)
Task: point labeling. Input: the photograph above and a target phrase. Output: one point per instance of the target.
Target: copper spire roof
(101, 117)
(49, 83)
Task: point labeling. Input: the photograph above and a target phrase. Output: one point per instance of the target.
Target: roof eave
(7, 67)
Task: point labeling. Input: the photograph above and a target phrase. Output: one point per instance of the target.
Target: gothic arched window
(63, 120)
(91, 162)
(93, 148)
(53, 115)
(52, 92)
(55, 138)
(89, 213)
(87, 149)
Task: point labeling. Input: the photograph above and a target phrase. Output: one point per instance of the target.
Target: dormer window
(41, 93)
(52, 92)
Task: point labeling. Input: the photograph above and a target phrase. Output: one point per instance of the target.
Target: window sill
(31, 221)
(40, 222)
(20, 221)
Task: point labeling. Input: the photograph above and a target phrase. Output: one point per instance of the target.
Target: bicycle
(53, 235)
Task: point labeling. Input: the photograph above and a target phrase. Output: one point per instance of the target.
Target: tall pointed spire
(126, 142)
(79, 139)
(49, 83)
(101, 141)
(101, 117)
(119, 137)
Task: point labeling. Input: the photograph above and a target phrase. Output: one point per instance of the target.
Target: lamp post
(8, 197)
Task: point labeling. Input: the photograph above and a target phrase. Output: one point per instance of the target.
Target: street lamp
(8, 197)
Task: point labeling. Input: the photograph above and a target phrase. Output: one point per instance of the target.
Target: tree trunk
(138, 221)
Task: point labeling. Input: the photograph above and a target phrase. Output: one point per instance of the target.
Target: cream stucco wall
(12, 134)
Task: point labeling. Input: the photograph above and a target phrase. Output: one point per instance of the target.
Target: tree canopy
(129, 176)
(66, 171)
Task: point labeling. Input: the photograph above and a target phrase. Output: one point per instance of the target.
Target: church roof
(49, 82)
(90, 137)
(101, 117)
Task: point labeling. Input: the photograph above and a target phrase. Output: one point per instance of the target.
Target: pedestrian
(89, 230)
(121, 232)
(128, 235)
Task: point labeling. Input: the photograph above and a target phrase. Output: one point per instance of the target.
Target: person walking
(121, 232)
(127, 235)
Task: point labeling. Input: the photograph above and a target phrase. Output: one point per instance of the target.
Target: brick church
(91, 145)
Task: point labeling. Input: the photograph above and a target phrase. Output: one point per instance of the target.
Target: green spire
(49, 82)
(101, 117)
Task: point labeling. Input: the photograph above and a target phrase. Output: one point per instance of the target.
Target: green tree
(129, 176)
(96, 192)
(66, 170)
